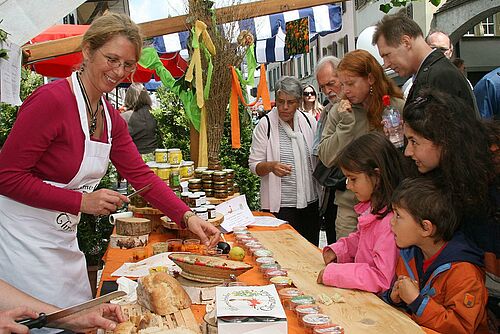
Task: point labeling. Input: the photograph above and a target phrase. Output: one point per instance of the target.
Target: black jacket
(437, 72)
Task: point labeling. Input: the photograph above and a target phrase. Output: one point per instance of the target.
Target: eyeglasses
(115, 63)
(309, 93)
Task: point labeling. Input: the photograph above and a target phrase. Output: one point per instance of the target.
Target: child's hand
(319, 280)
(408, 289)
(395, 293)
(329, 255)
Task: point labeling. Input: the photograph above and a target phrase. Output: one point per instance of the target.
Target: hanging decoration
(195, 71)
(236, 93)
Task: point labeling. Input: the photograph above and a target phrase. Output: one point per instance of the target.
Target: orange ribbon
(236, 93)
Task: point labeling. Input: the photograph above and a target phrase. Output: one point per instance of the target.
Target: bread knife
(45, 319)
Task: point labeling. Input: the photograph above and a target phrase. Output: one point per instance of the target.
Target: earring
(371, 90)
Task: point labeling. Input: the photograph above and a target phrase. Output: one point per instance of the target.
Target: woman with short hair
(281, 154)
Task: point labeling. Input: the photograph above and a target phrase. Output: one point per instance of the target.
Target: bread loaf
(162, 294)
(126, 327)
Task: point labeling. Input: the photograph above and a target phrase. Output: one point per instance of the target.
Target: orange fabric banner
(236, 93)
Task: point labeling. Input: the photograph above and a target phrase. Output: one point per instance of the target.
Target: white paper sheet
(236, 213)
(268, 221)
(141, 268)
(10, 74)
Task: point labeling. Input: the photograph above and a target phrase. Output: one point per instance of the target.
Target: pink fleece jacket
(366, 259)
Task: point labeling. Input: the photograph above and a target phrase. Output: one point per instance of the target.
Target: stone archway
(456, 17)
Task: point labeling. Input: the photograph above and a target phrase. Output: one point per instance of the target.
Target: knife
(137, 192)
(45, 319)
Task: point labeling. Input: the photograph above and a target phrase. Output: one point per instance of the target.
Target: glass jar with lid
(219, 176)
(194, 185)
(174, 156)
(163, 171)
(220, 194)
(187, 169)
(161, 155)
(207, 175)
(229, 173)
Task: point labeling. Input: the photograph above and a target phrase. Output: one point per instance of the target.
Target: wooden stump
(133, 226)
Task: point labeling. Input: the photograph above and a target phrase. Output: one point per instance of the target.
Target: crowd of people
(421, 227)
(418, 227)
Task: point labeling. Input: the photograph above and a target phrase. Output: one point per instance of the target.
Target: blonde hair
(110, 25)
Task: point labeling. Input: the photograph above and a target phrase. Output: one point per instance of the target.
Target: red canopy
(63, 66)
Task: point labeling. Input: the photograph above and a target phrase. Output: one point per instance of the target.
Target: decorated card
(252, 301)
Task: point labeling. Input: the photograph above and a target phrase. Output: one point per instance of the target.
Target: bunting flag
(269, 31)
(236, 93)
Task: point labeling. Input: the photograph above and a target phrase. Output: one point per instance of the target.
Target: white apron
(39, 251)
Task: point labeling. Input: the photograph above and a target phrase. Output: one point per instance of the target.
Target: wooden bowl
(209, 266)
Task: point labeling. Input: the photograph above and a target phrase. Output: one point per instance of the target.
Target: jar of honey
(153, 166)
(219, 176)
(193, 201)
(220, 194)
(207, 175)
(161, 155)
(185, 197)
(202, 213)
(203, 197)
(174, 156)
(229, 173)
(163, 171)
(198, 172)
(220, 186)
(212, 214)
(187, 169)
(194, 185)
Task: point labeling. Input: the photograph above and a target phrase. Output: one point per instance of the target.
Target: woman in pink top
(55, 156)
(366, 259)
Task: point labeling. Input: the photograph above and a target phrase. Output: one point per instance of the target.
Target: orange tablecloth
(115, 257)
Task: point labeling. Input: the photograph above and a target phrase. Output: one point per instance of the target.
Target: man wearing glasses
(402, 46)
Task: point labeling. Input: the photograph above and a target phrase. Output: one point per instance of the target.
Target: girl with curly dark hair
(459, 151)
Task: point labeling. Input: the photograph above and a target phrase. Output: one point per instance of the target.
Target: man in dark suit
(402, 46)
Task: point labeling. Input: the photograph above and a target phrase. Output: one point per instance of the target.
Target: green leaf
(386, 7)
(435, 2)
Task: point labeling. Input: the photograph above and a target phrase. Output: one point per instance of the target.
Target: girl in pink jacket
(366, 259)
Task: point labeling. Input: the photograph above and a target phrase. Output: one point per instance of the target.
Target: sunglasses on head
(309, 93)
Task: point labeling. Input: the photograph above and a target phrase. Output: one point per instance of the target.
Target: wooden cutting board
(362, 312)
(183, 318)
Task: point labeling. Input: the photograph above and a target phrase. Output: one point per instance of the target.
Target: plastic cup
(174, 245)
(192, 245)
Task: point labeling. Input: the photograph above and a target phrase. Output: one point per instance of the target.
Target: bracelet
(185, 219)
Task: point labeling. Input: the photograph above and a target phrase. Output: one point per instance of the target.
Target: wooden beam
(50, 49)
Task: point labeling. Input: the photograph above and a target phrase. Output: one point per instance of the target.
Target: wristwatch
(184, 223)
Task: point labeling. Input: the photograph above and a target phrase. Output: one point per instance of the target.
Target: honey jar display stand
(217, 201)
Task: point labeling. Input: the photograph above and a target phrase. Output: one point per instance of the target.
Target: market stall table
(362, 312)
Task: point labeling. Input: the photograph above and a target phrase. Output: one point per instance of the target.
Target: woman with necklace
(54, 158)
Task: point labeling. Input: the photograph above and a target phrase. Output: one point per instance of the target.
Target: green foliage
(8, 113)
(94, 231)
(386, 7)
(173, 126)
(173, 131)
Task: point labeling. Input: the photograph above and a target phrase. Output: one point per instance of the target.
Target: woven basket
(210, 266)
